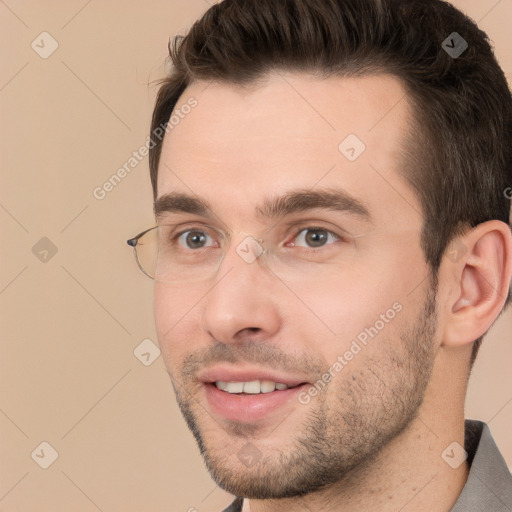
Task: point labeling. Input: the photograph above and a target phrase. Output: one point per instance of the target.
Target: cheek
(163, 305)
(172, 305)
(353, 307)
(175, 320)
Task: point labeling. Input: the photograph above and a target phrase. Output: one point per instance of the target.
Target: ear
(479, 269)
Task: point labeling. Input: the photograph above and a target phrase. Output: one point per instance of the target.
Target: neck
(409, 473)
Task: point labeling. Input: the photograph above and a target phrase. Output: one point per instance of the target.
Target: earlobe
(481, 279)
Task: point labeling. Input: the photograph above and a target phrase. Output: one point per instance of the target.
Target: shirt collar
(489, 483)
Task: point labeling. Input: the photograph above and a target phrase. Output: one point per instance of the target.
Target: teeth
(267, 386)
(252, 387)
(234, 387)
(222, 385)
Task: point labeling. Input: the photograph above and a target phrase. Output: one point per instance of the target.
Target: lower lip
(249, 408)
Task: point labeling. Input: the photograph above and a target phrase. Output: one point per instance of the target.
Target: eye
(194, 239)
(314, 237)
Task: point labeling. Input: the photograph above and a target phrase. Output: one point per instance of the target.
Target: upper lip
(247, 374)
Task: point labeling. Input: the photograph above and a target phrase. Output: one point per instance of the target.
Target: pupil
(195, 238)
(316, 238)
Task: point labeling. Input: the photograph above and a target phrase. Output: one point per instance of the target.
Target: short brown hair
(458, 154)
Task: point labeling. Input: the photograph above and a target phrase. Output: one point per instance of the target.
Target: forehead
(240, 145)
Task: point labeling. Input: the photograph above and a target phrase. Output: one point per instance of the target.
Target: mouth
(241, 396)
(252, 387)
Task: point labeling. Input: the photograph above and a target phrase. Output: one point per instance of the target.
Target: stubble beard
(339, 438)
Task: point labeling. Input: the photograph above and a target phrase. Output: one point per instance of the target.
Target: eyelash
(299, 230)
(296, 233)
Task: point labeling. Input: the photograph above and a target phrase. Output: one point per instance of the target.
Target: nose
(243, 300)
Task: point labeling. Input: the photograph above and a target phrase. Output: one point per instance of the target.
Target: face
(340, 310)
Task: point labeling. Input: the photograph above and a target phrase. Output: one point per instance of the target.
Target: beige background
(69, 326)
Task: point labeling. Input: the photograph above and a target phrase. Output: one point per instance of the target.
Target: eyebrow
(294, 201)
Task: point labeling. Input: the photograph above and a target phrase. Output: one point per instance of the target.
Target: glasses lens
(146, 252)
(175, 255)
(172, 257)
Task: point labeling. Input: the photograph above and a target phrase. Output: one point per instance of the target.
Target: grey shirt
(489, 484)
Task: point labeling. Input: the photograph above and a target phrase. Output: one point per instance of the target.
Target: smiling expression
(312, 167)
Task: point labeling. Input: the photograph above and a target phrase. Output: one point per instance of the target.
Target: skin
(372, 440)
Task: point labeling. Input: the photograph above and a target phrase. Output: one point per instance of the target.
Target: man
(333, 242)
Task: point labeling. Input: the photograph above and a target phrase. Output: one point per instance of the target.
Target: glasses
(176, 254)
